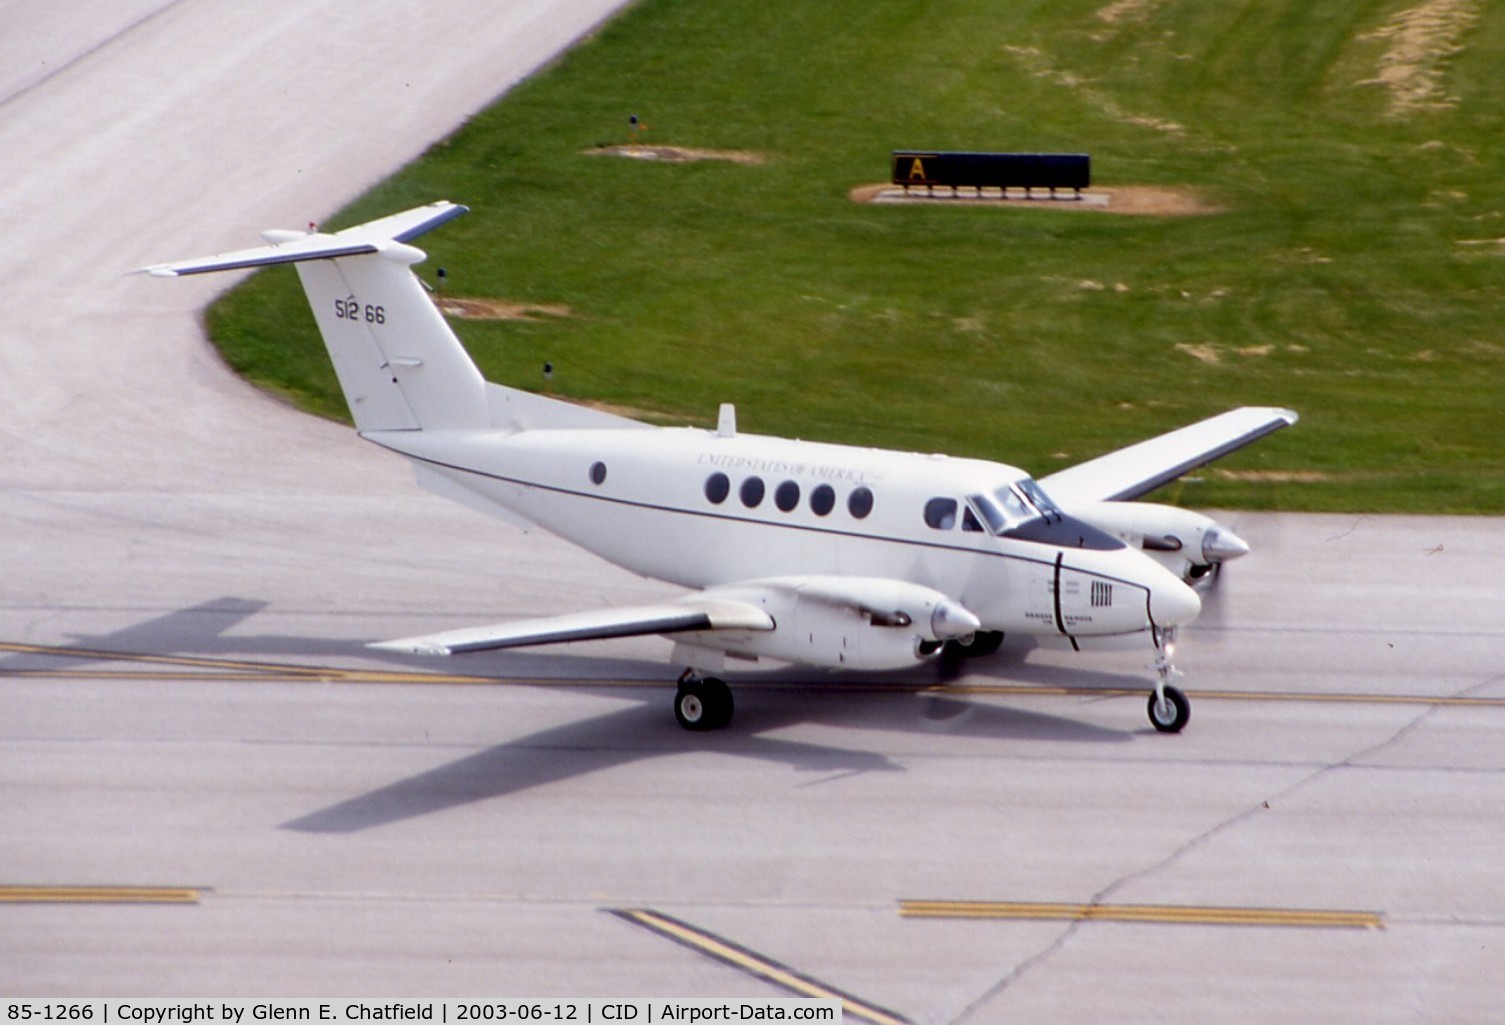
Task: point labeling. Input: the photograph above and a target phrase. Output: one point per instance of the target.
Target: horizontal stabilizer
(399, 365)
(1139, 469)
(371, 237)
(701, 612)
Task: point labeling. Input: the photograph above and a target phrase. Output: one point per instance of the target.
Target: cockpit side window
(1000, 510)
(940, 513)
(991, 514)
(970, 522)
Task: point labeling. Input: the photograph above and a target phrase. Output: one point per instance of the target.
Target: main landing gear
(702, 703)
(1169, 708)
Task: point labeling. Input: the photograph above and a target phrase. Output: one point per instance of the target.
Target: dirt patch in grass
(1133, 200)
(1160, 201)
(677, 154)
(1202, 353)
(1212, 354)
(1128, 10)
(1419, 43)
(1273, 476)
(497, 309)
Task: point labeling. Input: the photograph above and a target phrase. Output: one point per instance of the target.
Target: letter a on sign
(917, 170)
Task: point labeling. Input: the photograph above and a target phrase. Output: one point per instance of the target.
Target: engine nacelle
(1184, 542)
(845, 622)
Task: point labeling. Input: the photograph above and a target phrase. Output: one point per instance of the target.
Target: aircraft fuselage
(699, 509)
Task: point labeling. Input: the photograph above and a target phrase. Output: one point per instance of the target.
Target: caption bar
(440, 1012)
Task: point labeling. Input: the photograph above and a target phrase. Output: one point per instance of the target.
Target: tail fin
(399, 364)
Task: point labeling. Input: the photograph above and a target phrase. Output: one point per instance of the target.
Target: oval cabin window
(822, 499)
(752, 492)
(787, 496)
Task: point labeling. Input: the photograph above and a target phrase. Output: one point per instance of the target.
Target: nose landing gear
(1169, 708)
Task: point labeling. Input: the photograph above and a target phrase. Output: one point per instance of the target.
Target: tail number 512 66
(351, 309)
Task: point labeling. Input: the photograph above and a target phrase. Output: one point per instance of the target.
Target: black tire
(719, 695)
(1180, 711)
(702, 705)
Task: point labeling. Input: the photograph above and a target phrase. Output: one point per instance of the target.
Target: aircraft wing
(697, 612)
(1141, 468)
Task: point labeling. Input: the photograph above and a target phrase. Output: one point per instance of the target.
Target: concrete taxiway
(208, 787)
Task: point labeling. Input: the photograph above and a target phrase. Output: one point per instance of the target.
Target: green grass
(1333, 280)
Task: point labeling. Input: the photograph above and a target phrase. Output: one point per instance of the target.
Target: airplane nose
(1172, 603)
(1220, 544)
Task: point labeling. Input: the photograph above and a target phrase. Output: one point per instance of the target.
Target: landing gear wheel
(703, 704)
(1169, 715)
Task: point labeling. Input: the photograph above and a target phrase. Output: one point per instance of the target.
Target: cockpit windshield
(1039, 499)
(1013, 505)
(1022, 511)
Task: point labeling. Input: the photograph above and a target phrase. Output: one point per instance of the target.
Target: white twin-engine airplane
(825, 555)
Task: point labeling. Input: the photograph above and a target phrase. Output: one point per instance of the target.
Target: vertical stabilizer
(399, 364)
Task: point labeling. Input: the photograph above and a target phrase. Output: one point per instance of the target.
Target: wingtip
(1287, 415)
(408, 647)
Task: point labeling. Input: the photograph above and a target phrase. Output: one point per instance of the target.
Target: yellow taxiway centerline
(99, 895)
(215, 668)
(1143, 913)
(754, 964)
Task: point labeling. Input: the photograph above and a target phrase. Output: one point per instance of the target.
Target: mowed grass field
(1352, 267)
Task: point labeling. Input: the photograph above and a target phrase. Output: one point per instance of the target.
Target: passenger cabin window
(940, 513)
(822, 499)
(860, 503)
(598, 473)
(717, 487)
(787, 496)
(752, 492)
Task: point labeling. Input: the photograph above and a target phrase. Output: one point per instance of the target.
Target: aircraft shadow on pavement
(767, 702)
(564, 752)
(185, 631)
(647, 730)
(204, 631)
